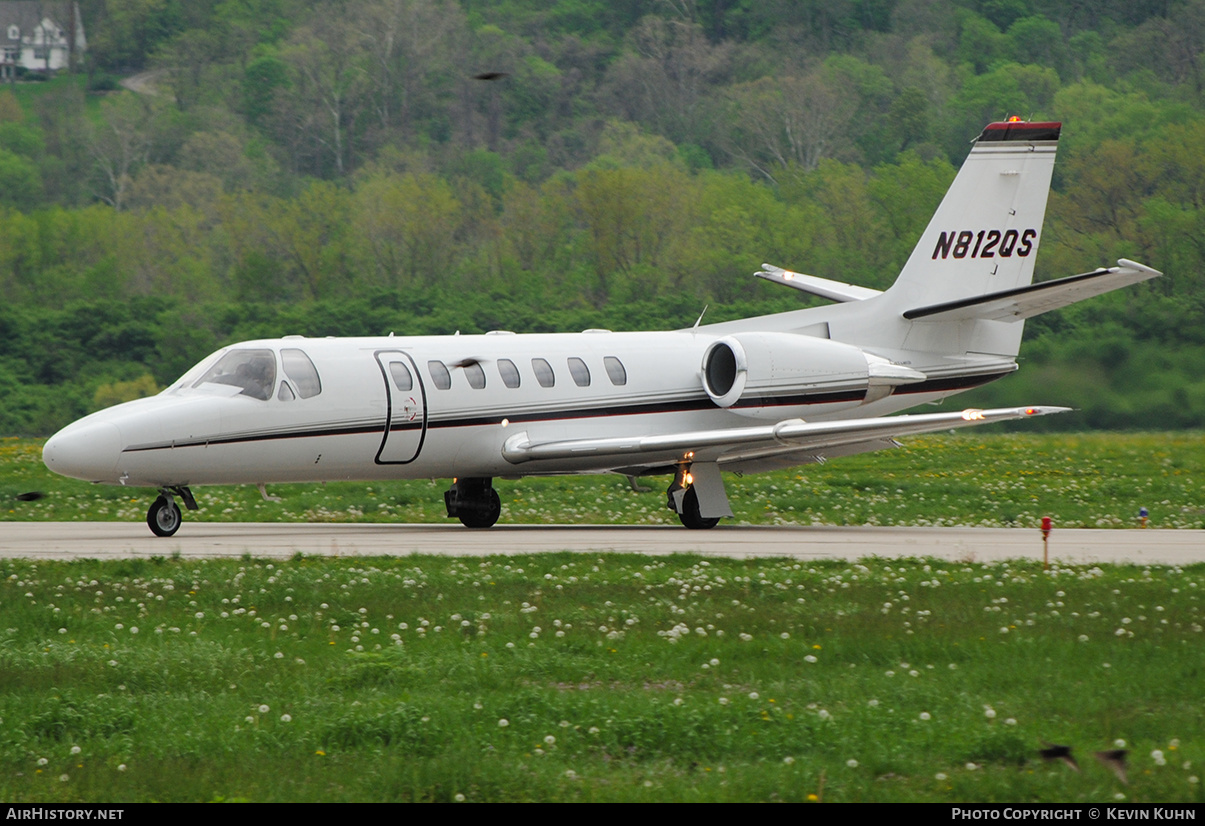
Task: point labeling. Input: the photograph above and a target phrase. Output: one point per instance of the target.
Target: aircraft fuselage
(453, 410)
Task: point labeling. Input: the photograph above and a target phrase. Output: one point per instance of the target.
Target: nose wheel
(164, 517)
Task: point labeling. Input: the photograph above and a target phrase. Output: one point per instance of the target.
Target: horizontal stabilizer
(791, 432)
(835, 290)
(1035, 299)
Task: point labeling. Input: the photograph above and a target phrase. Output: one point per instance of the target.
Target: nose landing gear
(164, 516)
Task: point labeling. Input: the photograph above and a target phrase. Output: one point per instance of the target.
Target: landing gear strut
(683, 499)
(164, 517)
(474, 502)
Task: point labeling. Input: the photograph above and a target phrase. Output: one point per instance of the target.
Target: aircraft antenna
(700, 318)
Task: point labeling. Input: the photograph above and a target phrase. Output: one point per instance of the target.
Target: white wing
(789, 435)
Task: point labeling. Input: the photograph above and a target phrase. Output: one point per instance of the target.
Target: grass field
(578, 678)
(994, 480)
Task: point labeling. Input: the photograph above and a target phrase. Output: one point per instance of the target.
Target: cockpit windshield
(254, 371)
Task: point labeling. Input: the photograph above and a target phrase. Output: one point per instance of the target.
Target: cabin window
(509, 373)
(14, 33)
(285, 394)
(543, 371)
(254, 371)
(439, 374)
(615, 371)
(475, 374)
(402, 379)
(301, 370)
(579, 371)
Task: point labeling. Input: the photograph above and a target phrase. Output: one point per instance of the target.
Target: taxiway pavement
(105, 540)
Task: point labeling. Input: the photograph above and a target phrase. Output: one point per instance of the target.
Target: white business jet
(763, 393)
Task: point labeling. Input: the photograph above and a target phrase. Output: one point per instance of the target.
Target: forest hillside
(427, 166)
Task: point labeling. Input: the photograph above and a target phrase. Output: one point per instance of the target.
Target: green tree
(408, 223)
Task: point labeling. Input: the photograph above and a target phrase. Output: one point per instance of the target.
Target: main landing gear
(683, 495)
(164, 516)
(474, 502)
(683, 499)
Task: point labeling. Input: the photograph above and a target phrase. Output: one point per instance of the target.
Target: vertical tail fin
(984, 236)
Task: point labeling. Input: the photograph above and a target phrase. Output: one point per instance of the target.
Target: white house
(39, 35)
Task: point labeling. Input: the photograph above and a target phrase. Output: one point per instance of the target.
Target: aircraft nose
(84, 451)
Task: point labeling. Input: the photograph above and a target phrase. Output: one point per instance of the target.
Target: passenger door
(405, 411)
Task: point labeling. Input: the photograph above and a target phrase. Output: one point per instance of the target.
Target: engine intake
(725, 371)
(747, 372)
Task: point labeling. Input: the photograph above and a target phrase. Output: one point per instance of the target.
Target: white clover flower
(810, 658)
(785, 635)
(459, 798)
(76, 749)
(1119, 743)
(122, 767)
(286, 718)
(971, 767)
(753, 695)
(924, 715)
(990, 713)
(853, 764)
(263, 709)
(503, 723)
(42, 761)
(593, 730)
(714, 661)
(1011, 721)
(788, 759)
(550, 740)
(941, 776)
(723, 701)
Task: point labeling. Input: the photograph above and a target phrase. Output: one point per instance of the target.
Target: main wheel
(690, 513)
(164, 517)
(483, 517)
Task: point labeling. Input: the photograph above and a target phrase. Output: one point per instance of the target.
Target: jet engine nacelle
(747, 371)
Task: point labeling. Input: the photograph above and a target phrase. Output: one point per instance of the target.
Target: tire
(484, 517)
(164, 517)
(690, 513)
